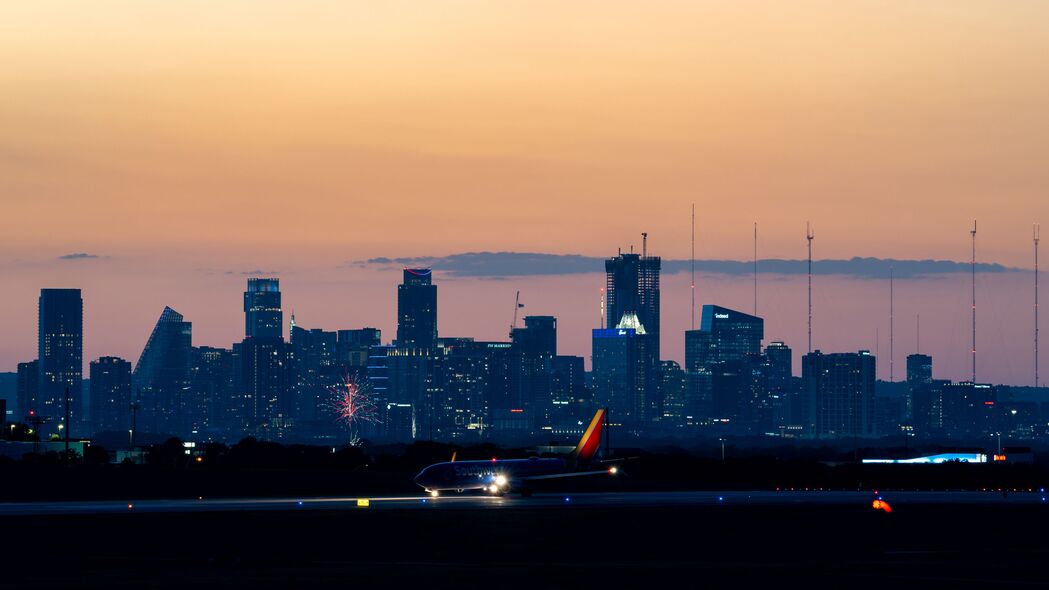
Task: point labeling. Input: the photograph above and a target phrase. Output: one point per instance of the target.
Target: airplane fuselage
(482, 475)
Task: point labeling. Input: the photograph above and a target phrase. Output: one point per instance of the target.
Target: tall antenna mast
(1037, 236)
(809, 236)
(892, 333)
(973, 233)
(693, 267)
(755, 268)
(644, 244)
(918, 339)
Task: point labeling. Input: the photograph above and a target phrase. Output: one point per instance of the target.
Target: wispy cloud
(512, 264)
(78, 256)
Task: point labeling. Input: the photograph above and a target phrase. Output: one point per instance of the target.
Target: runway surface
(543, 501)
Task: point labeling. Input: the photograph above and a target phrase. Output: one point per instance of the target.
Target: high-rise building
(414, 378)
(533, 349)
(722, 358)
(263, 384)
(538, 336)
(470, 369)
(110, 394)
(919, 369)
(778, 359)
(353, 347)
(60, 346)
(779, 385)
(417, 310)
(162, 376)
(674, 393)
(568, 392)
(632, 300)
(28, 387)
(212, 377)
(724, 335)
(622, 372)
(632, 287)
(315, 370)
(839, 391)
(919, 374)
(263, 317)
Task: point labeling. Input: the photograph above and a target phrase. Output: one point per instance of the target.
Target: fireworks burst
(352, 403)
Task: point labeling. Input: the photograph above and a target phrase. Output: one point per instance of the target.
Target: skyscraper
(919, 370)
(724, 335)
(60, 348)
(110, 394)
(839, 391)
(919, 374)
(263, 317)
(721, 358)
(263, 384)
(533, 349)
(632, 301)
(538, 336)
(162, 375)
(417, 309)
(28, 387)
(622, 372)
(632, 286)
(212, 385)
(779, 384)
(414, 378)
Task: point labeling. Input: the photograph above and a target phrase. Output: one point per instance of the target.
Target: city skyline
(837, 299)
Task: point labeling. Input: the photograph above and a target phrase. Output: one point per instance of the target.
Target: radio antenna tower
(693, 259)
(973, 234)
(755, 268)
(1037, 236)
(892, 333)
(809, 236)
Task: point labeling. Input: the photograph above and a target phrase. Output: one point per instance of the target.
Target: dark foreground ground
(555, 545)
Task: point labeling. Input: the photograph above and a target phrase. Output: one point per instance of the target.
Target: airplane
(498, 477)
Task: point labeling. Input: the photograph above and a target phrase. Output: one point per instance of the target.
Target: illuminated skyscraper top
(632, 287)
(417, 309)
(263, 317)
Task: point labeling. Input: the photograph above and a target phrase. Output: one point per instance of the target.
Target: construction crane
(517, 306)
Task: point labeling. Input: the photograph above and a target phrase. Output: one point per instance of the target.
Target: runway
(540, 501)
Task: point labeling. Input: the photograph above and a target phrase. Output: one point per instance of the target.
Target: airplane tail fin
(591, 440)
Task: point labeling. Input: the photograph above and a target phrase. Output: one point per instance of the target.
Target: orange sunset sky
(179, 141)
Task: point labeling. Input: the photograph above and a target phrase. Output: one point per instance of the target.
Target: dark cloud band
(512, 264)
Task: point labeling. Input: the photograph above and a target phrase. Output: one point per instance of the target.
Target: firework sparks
(352, 403)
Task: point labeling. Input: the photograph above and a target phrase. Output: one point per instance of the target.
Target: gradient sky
(183, 140)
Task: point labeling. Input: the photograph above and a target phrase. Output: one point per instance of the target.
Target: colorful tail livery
(591, 441)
